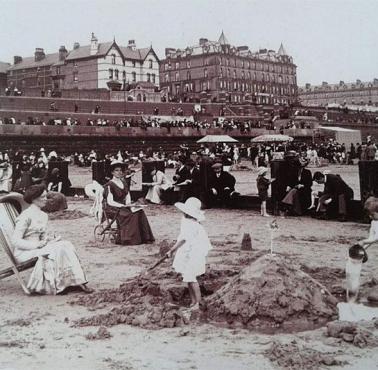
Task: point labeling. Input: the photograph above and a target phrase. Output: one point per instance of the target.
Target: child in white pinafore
(192, 247)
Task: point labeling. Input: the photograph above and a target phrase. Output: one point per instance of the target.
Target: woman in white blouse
(58, 265)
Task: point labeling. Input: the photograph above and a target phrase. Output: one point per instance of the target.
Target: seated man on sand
(336, 194)
(221, 187)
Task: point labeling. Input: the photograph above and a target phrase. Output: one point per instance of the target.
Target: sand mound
(153, 302)
(295, 357)
(272, 293)
(67, 214)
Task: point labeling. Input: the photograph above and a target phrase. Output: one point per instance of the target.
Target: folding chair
(10, 206)
(105, 224)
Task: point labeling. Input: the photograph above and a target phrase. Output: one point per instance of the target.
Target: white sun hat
(192, 207)
(262, 171)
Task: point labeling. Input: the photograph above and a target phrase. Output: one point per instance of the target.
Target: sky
(329, 40)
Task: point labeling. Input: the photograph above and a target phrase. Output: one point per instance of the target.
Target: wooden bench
(10, 207)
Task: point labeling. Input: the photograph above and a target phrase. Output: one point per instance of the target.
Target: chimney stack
(17, 59)
(131, 44)
(169, 51)
(76, 45)
(203, 41)
(62, 53)
(94, 44)
(39, 54)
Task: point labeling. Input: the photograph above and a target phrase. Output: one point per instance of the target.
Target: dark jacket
(225, 180)
(335, 186)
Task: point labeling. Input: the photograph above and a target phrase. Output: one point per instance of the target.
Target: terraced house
(95, 66)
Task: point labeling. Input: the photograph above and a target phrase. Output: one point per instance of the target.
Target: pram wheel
(99, 233)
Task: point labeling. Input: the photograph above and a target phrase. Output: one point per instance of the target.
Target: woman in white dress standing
(58, 265)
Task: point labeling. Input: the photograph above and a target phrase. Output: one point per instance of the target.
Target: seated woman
(133, 223)
(159, 184)
(58, 266)
(56, 201)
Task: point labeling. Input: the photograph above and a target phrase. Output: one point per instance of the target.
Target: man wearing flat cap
(221, 186)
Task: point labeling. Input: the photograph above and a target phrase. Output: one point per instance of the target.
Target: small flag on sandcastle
(273, 226)
(246, 242)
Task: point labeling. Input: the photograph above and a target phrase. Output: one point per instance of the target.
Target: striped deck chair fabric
(8, 215)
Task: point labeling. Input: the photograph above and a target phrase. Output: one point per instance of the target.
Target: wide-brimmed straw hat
(116, 163)
(192, 207)
(262, 171)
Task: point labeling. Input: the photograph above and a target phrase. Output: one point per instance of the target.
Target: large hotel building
(219, 72)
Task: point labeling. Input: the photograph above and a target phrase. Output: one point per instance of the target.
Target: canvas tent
(342, 135)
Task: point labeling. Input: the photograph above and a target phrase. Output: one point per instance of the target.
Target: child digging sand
(262, 187)
(192, 247)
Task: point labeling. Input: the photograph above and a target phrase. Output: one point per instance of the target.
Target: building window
(221, 72)
(153, 78)
(188, 76)
(75, 64)
(58, 70)
(133, 63)
(110, 74)
(206, 62)
(177, 65)
(116, 74)
(75, 77)
(166, 67)
(124, 75)
(234, 73)
(133, 76)
(243, 76)
(150, 63)
(205, 73)
(177, 76)
(167, 77)
(188, 64)
(228, 73)
(148, 77)
(113, 59)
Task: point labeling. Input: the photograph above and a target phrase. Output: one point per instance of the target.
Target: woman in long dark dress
(133, 224)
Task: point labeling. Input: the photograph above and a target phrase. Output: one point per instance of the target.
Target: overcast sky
(330, 40)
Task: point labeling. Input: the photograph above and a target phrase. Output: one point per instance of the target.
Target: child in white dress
(371, 205)
(192, 247)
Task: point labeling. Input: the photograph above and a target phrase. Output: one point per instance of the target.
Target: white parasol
(217, 139)
(275, 138)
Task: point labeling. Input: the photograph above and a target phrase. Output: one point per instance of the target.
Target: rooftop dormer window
(113, 59)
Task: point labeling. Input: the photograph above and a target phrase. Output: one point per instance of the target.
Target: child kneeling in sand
(192, 247)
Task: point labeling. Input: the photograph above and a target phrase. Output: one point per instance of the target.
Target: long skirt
(57, 268)
(134, 227)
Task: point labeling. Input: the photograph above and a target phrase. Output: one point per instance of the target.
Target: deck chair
(10, 207)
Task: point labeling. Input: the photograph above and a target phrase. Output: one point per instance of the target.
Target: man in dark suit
(336, 192)
(181, 179)
(221, 186)
(298, 188)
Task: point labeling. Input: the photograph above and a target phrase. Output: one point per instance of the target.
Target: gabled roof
(30, 62)
(4, 67)
(85, 51)
(137, 54)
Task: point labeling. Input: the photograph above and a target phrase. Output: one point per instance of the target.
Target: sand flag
(273, 226)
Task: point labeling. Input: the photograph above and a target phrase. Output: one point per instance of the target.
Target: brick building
(218, 72)
(3, 76)
(357, 93)
(94, 66)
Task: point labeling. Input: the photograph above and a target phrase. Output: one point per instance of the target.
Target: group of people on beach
(58, 267)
